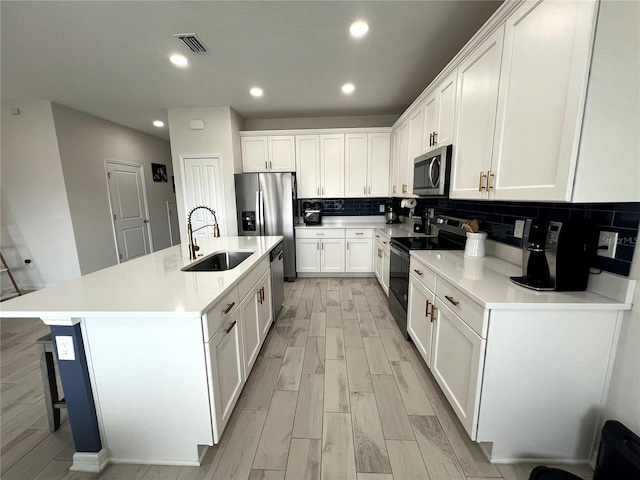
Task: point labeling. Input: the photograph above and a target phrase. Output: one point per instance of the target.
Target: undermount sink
(219, 261)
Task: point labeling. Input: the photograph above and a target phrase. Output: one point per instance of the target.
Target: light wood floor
(336, 393)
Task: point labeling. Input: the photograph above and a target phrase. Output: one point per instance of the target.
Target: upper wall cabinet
(543, 83)
(478, 80)
(400, 185)
(320, 165)
(268, 153)
(366, 164)
(439, 115)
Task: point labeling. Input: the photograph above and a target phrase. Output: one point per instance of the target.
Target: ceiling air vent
(192, 42)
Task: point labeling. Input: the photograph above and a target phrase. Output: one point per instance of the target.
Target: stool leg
(50, 387)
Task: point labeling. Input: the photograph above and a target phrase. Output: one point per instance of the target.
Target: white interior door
(203, 186)
(129, 209)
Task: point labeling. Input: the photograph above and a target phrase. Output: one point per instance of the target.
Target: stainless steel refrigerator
(265, 204)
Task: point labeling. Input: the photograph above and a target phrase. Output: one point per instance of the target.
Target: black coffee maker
(557, 255)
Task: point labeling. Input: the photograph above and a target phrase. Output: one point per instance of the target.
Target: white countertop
(486, 280)
(149, 286)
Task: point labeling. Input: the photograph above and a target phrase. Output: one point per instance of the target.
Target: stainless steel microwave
(431, 172)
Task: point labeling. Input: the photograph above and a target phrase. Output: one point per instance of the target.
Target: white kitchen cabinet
(308, 166)
(367, 157)
(332, 165)
(421, 315)
(265, 310)
(401, 165)
(478, 81)
(383, 262)
(439, 114)
(332, 253)
(251, 331)
(268, 153)
(307, 255)
(320, 165)
(416, 130)
(225, 371)
(543, 84)
(358, 255)
(457, 365)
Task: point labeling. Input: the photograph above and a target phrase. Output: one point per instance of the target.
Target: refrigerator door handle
(261, 212)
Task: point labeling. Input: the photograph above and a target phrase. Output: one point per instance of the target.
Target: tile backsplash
(498, 220)
(348, 206)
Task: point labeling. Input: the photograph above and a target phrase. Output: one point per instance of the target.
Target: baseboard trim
(335, 275)
(93, 462)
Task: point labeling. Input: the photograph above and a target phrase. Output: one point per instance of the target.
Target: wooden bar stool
(47, 368)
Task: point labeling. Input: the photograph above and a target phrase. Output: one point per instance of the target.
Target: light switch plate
(518, 230)
(609, 240)
(381, 208)
(64, 347)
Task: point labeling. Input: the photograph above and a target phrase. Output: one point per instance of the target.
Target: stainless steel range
(450, 236)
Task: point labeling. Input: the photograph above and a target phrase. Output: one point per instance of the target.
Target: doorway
(129, 210)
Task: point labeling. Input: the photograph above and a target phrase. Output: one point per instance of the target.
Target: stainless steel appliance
(277, 279)
(431, 172)
(450, 236)
(390, 213)
(265, 205)
(311, 213)
(557, 255)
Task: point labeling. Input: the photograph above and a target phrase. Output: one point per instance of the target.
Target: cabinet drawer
(463, 306)
(320, 233)
(423, 274)
(252, 277)
(213, 319)
(383, 239)
(359, 233)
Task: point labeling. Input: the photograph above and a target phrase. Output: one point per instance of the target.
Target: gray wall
(35, 221)
(85, 142)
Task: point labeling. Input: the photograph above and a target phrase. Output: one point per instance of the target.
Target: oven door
(399, 286)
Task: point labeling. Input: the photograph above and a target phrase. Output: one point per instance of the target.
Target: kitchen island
(165, 353)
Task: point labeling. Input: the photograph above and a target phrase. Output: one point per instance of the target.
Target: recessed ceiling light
(158, 123)
(348, 88)
(359, 29)
(256, 92)
(179, 60)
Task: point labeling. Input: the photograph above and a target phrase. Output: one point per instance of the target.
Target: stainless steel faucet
(193, 248)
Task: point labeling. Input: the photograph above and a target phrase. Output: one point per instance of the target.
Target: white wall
(321, 122)
(85, 142)
(220, 137)
(623, 401)
(32, 195)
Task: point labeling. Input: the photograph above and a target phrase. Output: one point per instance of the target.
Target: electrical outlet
(518, 230)
(381, 208)
(610, 241)
(64, 346)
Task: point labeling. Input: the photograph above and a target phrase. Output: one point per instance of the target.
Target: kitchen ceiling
(111, 58)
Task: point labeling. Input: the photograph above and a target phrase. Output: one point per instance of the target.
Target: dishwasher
(277, 280)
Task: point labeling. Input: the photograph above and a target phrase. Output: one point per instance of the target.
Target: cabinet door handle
(418, 272)
(433, 311)
(369, 189)
(270, 165)
(359, 233)
(319, 234)
(435, 137)
(318, 190)
(266, 165)
(431, 139)
(230, 327)
(322, 245)
(489, 175)
(364, 189)
(480, 186)
(262, 293)
(318, 245)
(347, 245)
(260, 296)
(426, 309)
(394, 189)
(322, 190)
(452, 300)
(229, 307)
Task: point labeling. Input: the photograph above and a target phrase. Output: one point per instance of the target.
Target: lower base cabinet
(226, 371)
(358, 255)
(420, 318)
(334, 250)
(457, 361)
(382, 262)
